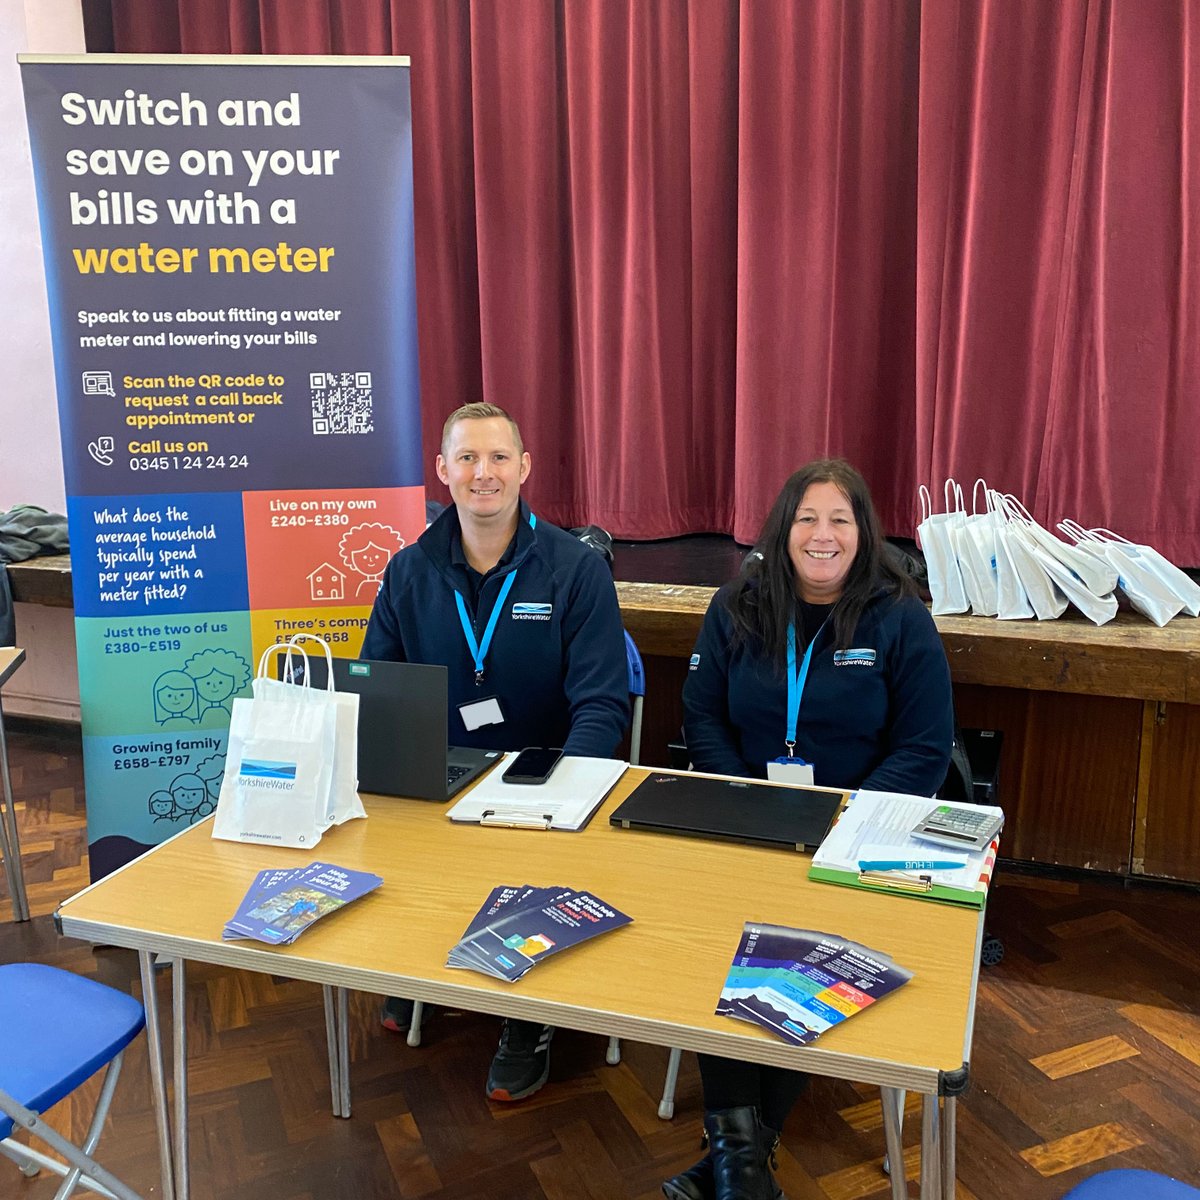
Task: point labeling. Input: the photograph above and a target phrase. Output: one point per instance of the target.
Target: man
(525, 618)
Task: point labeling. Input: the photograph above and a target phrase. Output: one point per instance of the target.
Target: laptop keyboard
(453, 774)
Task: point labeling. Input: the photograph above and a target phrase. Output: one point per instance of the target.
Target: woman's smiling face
(823, 543)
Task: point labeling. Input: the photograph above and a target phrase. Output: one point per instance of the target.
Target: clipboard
(881, 817)
(565, 802)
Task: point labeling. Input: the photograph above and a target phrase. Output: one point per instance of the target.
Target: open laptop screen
(402, 748)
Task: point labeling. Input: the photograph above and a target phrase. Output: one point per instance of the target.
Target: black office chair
(972, 779)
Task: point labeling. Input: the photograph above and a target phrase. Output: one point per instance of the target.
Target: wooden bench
(45, 580)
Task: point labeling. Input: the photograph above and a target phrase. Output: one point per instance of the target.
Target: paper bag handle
(294, 644)
(266, 654)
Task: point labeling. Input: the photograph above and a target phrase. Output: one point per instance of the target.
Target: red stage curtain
(691, 245)
(1058, 323)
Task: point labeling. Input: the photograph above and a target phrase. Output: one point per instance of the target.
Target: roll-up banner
(229, 257)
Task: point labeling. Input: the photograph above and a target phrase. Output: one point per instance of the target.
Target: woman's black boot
(696, 1183)
(741, 1148)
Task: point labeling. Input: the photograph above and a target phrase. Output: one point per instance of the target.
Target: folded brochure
(282, 903)
(520, 925)
(798, 983)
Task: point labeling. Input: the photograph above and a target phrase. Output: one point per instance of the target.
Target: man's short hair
(480, 411)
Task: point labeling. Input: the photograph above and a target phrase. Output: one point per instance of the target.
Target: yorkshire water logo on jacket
(532, 612)
(854, 658)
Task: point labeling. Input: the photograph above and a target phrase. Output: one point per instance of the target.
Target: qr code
(341, 403)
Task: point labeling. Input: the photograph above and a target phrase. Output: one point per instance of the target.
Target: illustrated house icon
(327, 583)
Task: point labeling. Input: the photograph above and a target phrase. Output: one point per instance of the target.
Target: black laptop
(761, 814)
(402, 708)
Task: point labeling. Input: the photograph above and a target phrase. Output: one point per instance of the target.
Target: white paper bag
(344, 802)
(278, 767)
(1043, 594)
(1147, 589)
(1179, 583)
(1096, 575)
(1012, 602)
(976, 541)
(1098, 609)
(941, 558)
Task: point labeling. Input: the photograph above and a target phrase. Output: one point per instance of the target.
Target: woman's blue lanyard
(479, 650)
(796, 680)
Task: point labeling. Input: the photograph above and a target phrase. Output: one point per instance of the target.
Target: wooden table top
(1127, 657)
(656, 980)
(10, 659)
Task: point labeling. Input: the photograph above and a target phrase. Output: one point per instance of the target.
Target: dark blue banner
(229, 251)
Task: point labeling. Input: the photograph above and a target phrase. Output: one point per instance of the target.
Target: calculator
(967, 828)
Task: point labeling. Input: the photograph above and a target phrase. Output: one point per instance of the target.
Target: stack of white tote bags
(997, 561)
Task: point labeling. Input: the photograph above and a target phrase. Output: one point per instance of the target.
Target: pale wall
(30, 461)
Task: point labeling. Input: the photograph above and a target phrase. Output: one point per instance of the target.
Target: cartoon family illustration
(209, 680)
(192, 795)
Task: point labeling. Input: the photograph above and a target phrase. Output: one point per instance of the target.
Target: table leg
(930, 1149)
(158, 1085)
(892, 1100)
(343, 1012)
(333, 1047)
(179, 1028)
(10, 843)
(666, 1106)
(949, 1168)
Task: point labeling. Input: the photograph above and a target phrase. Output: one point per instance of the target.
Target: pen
(907, 864)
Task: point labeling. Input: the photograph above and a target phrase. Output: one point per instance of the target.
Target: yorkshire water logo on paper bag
(261, 772)
(854, 658)
(532, 612)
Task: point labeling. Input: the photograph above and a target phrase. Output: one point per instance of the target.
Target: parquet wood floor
(1087, 1056)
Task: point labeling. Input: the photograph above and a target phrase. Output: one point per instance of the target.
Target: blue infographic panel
(229, 256)
(133, 555)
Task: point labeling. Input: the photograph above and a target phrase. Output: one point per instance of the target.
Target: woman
(870, 707)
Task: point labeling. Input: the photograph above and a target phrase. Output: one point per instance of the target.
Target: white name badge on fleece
(794, 771)
(478, 713)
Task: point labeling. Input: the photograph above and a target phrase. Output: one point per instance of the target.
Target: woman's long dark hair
(764, 603)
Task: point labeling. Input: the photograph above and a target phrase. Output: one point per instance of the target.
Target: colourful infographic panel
(163, 672)
(229, 257)
(132, 555)
(342, 628)
(326, 548)
(150, 786)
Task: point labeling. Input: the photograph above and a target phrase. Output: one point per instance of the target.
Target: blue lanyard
(796, 680)
(479, 650)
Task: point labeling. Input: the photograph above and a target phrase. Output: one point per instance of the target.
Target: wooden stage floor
(1087, 1056)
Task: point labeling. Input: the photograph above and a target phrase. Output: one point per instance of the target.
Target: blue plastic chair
(56, 1031)
(1129, 1184)
(637, 689)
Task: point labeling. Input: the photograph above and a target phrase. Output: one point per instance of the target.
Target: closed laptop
(740, 810)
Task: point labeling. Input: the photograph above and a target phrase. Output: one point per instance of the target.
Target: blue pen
(907, 864)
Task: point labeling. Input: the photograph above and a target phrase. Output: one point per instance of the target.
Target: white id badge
(478, 713)
(795, 771)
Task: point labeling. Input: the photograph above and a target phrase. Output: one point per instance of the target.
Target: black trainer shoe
(397, 1014)
(522, 1064)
